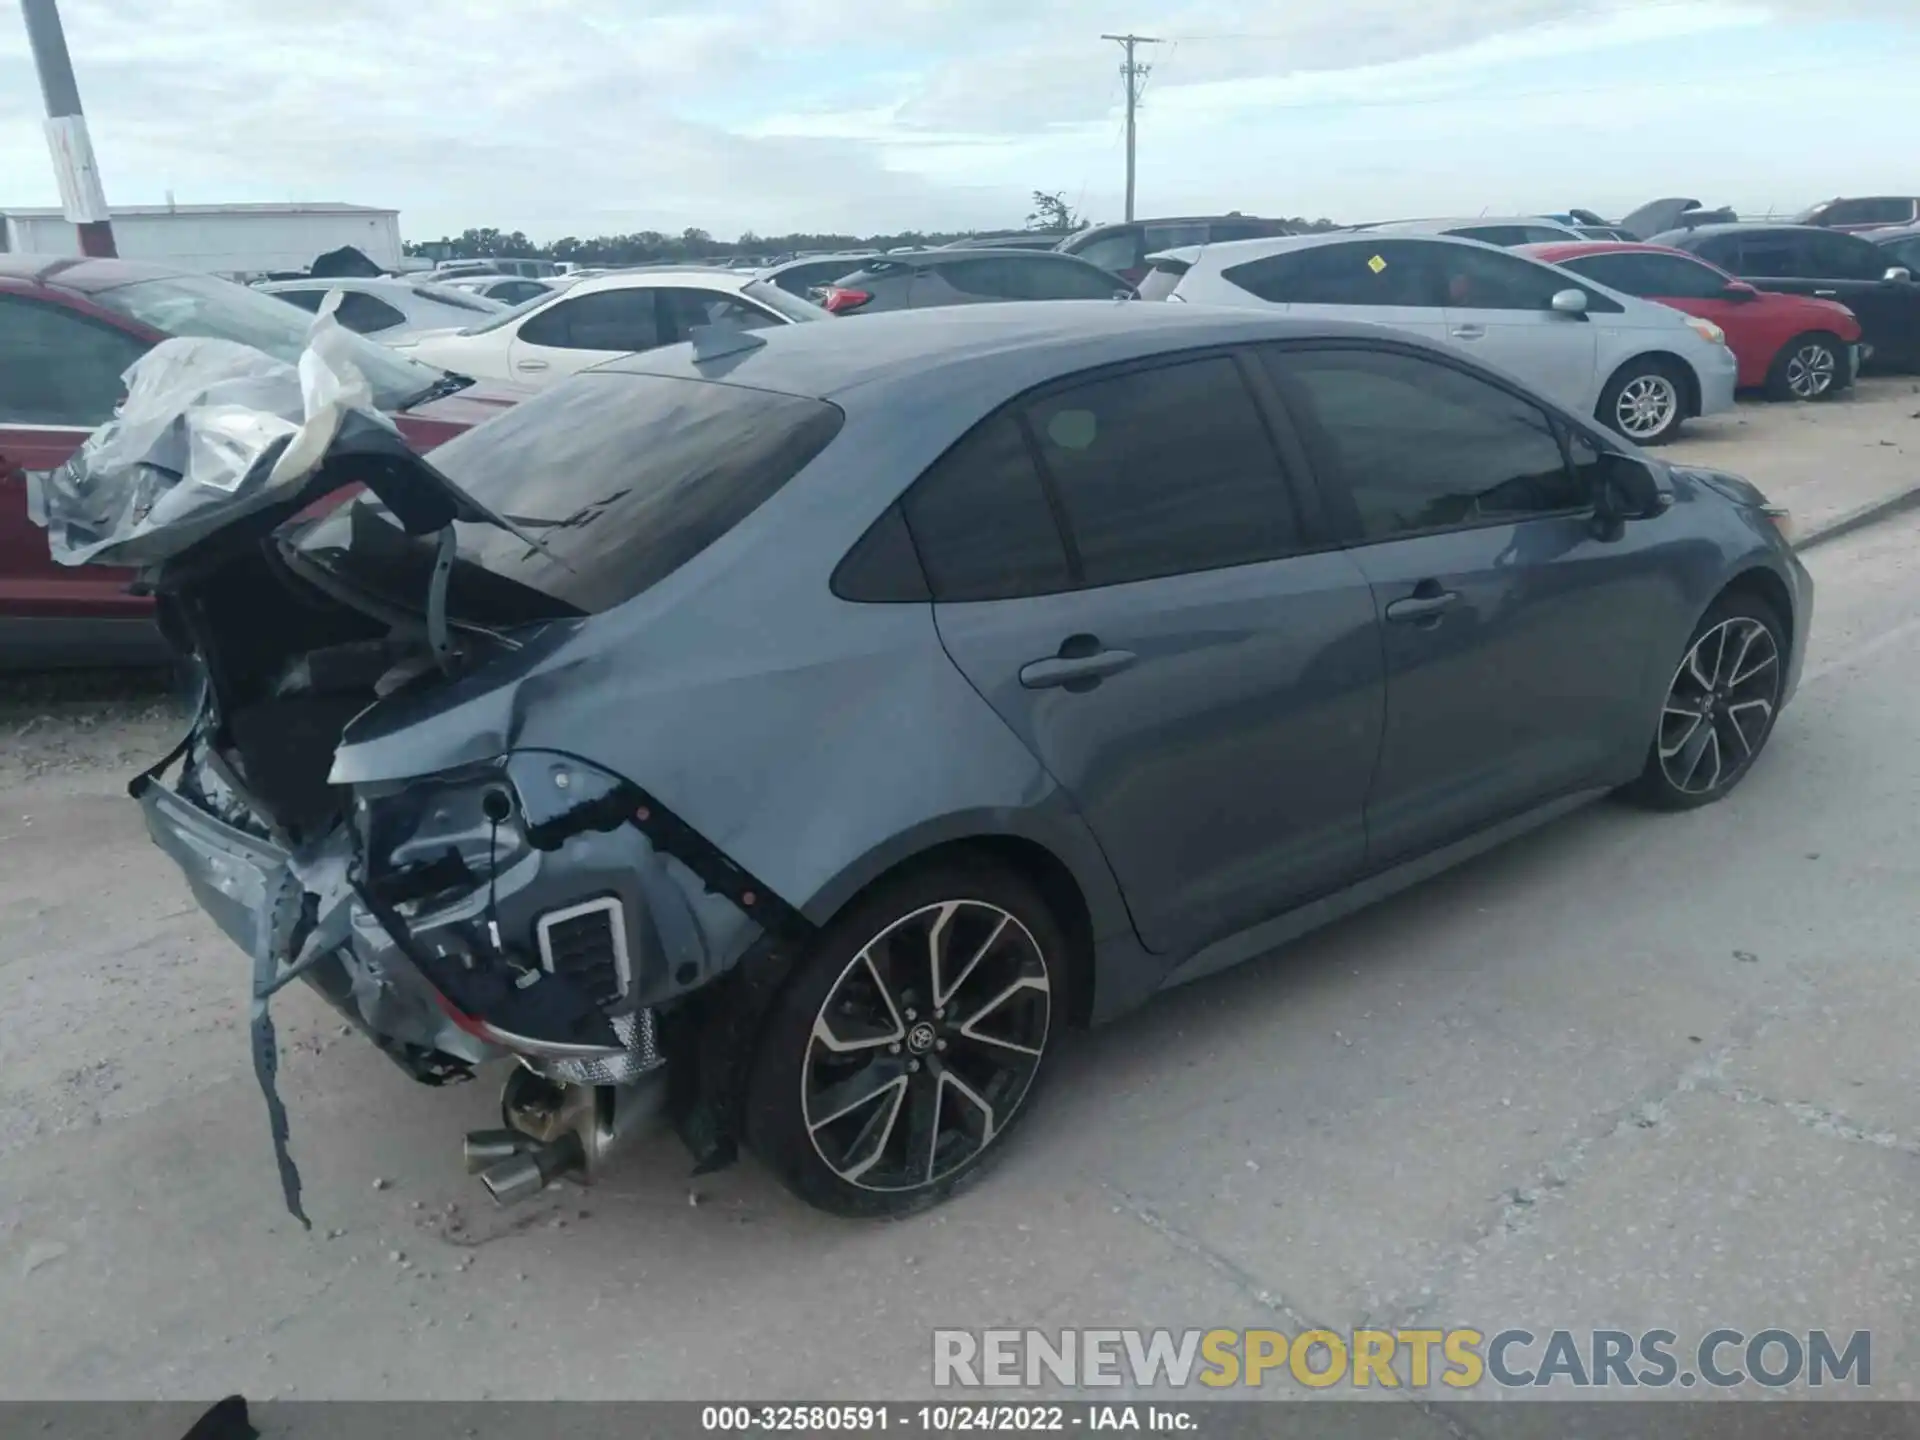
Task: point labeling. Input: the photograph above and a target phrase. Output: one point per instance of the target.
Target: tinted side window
(1883, 211)
(1498, 234)
(682, 310)
(1163, 471)
(516, 292)
(996, 279)
(57, 368)
(1721, 250)
(308, 300)
(1843, 257)
(981, 521)
(1064, 280)
(1903, 252)
(1380, 272)
(1173, 237)
(621, 320)
(1421, 446)
(1113, 252)
(1771, 257)
(1649, 275)
(365, 315)
(1482, 280)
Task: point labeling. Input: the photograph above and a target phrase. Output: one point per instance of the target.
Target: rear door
(1383, 282)
(1500, 312)
(1122, 569)
(582, 331)
(1519, 644)
(59, 378)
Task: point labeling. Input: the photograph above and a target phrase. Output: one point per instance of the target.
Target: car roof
(1231, 252)
(1443, 223)
(82, 274)
(709, 277)
(950, 257)
(1171, 220)
(1554, 251)
(1012, 346)
(1752, 227)
(1891, 232)
(857, 256)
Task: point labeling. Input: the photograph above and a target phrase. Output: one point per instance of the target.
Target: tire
(1812, 366)
(1744, 703)
(854, 1065)
(1637, 387)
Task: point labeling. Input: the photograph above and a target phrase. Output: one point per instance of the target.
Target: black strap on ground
(266, 1067)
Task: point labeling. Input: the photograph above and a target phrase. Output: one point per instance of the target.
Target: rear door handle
(1422, 607)
(1078, 672)
(529, 364)
(1468, 332)
(1826, 294)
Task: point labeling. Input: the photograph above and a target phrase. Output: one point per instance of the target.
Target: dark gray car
(927, 278)
(802, 731)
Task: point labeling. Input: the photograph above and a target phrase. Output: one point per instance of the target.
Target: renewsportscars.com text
(1458, 1359)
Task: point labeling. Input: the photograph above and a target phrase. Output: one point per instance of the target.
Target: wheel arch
(1765, 585)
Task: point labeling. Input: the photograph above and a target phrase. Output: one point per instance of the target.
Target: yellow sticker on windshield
(1376, 264)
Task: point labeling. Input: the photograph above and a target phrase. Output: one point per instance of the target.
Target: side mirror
(1740, 292)
(1899, 275)
(1630, 489)
(1570, 302)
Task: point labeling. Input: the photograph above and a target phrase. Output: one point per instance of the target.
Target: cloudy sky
(587, 117)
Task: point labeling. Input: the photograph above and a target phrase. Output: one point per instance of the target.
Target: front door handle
(1468, 332)
(1416, 608)
(529, 364)
(1076, 667)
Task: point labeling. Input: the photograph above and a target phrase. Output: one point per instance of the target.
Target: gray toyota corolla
(794, 733)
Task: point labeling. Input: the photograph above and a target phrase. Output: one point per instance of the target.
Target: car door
(1120, 567)
(1854, 272)
(59, 379)
(1500, 312)
(1383, 282)
(1518, 637)
(1063, 277)
(582, 331)
(1753, 327)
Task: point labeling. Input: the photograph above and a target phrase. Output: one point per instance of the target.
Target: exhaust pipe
(531, 1170)
(558, 1131)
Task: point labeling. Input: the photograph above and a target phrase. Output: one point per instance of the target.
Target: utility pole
(81, 199)
(1135, 75)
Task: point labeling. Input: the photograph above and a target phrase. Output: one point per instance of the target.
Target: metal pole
(1133, 74)
(82, 200)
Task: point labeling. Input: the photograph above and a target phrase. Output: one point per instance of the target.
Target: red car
(1793, 346)
(69, 328)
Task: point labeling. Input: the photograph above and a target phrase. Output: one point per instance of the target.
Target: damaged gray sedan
(792, 733)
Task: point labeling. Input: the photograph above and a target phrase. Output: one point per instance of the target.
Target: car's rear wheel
(1646, 400)
(1719, 707)
(909, 1042)
(1809, 367)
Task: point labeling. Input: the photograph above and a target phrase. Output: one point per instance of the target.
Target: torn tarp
(210, 431)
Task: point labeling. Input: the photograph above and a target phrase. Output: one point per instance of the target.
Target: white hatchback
(598, 319)
(1638, 367)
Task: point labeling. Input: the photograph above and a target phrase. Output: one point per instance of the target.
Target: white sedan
(554, 336)
(388, 309)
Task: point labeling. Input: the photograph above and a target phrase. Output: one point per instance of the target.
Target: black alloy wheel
(909, 1043)
(1720, 706)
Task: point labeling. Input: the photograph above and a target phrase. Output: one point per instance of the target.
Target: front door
(1517, 640)
(582, 331)
(59, 379)
(1500, 313)
(1120, 568)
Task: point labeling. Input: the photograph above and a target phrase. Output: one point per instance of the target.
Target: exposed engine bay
(457, 898)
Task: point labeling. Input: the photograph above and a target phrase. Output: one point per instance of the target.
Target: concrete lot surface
(1634, 1071)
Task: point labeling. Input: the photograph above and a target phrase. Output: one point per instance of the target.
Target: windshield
(622, 478)
(202, 305)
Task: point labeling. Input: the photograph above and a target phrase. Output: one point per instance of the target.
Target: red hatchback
(1793, 346)
(69, 328)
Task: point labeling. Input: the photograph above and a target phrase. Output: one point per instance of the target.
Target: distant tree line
(1051, 215)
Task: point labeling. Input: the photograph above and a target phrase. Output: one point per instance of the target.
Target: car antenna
(711, 342)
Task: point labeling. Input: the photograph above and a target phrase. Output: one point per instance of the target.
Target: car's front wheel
(1719, 708)
(1646, 400)
(909, 1042)
(1808, 367)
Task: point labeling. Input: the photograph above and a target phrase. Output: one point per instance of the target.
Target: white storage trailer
(240, 241)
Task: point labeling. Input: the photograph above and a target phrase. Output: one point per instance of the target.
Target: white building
(235, 240)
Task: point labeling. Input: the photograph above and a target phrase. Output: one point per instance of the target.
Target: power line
(1135, 75)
